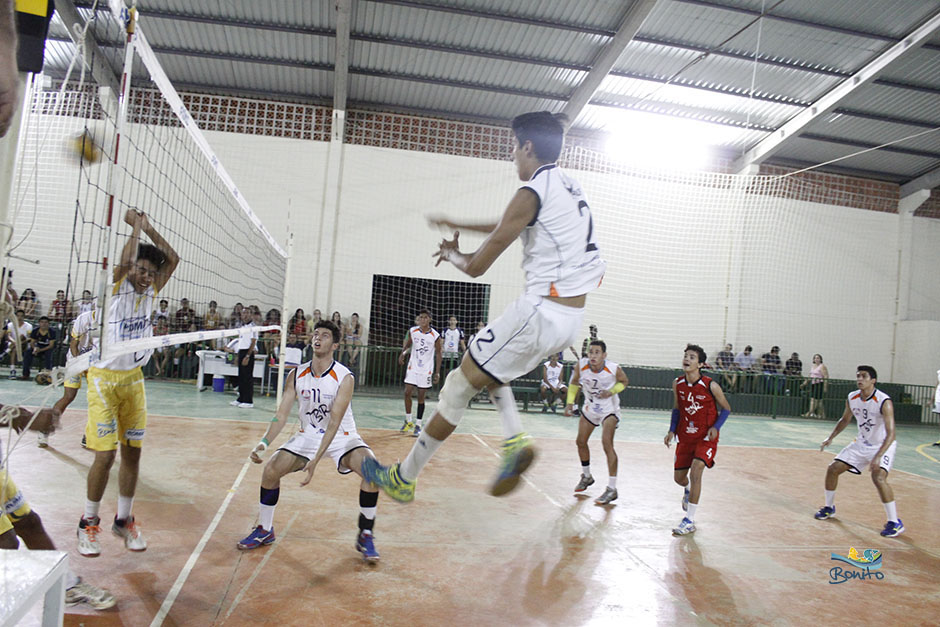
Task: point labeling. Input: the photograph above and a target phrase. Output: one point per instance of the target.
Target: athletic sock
(408, 418)
(612, 483)
(420, 413)
(586, 469)
(506, 404)
(91, 509)
(367, 507)
(419, 455)
(266, 508)
(830, 498)
(690, 514)
(125, 503)
(891, 509)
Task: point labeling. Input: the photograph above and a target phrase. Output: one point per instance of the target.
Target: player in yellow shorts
(17, 519)
(117, 402)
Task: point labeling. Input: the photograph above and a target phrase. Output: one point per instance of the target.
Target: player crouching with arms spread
(324, 389)
(696, 422)
(873, 448)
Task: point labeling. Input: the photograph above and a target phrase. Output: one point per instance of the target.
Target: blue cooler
(218, 383)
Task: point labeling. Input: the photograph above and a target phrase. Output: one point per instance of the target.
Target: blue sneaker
(825, 512)
(256, 538)
(417, 431)
(685, 500)
(518, 455)
(388, 479)
(685, 528)
(893, 529)
(365, 546)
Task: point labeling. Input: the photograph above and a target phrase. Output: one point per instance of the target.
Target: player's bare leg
(278, 465)
(408, 425)
(609, 427)
(368, 500)
(585, 429)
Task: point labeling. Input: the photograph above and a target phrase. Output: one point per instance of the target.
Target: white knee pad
(455, 395)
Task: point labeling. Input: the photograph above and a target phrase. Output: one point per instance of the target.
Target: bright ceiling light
(665, 141)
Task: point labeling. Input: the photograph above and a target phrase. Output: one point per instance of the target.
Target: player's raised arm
(622, 382)
(129, 252)
(521, 210)
(172, 259)
(446, 223)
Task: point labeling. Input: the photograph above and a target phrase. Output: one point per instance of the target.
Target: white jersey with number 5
(560, 254)
(867, 412)
(315, 396)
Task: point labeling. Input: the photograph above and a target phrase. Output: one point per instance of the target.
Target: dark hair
(22, 311)
(426, 312)
(46, 318)
(748, 348)
(163, 300)
(152, 254)
(871, 371)
(600, 343)
(212, 302)
(327, 324)
(775, 349)
(820, 357)
(698, 350)
(545, 130)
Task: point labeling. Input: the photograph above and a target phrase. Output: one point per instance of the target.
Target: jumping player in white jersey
(323, 389)
(117, 402)
(601, 380)
(424, 366)
(552, 386)
(873, 448)
(561, 261)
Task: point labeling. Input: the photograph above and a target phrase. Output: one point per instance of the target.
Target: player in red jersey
(696, 421)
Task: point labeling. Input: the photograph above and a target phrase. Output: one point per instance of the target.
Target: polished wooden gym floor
(539, 556)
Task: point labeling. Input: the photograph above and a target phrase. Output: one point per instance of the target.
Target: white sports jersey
(315, 395)
(560, 255)
(129, 319)
(593, 383)
(553, 373)
(452, 339)
(83, 329)
(422, 350)
(867, 412)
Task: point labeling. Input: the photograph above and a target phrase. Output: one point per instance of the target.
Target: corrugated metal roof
(491, 59)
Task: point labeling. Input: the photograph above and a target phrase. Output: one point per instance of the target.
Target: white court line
(524, 478)
(184, 574)
(257, 571)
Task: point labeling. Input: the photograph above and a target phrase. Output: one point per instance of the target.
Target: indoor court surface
(540, 556)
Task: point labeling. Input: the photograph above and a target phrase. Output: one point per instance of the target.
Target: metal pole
(284, 320)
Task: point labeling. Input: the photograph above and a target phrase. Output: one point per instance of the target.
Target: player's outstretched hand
(825, 443)
(668, 439)
(446, 248)
(47, 420)
(308, 472)
(437, 378)
(605, 394)
(401, 359)
(255, 454)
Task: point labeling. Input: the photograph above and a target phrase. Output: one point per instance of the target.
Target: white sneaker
(88, 543)
(685, 528)
(235, 403)
(98, 598)
(133, 539)
(42, 440)
(245, 405)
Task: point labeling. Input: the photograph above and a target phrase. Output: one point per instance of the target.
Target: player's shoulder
(340, 371)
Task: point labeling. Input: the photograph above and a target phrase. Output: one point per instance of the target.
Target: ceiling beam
(604, 62)
(341, 59)
(774, 141)
(927, 181)
(102, 72)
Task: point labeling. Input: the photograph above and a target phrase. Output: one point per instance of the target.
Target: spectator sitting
(298, 324)
(183, 317)
(745, 363)
(213, 319)
(41, 343)
(353, 340)
(29, 304)
(59, 310)
(771, 366)
(160, 353)
(235, 320)
(87, 303)
(20, 329)
(162, 313)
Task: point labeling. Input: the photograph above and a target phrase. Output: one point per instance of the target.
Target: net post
(284, 323)
(115, 180)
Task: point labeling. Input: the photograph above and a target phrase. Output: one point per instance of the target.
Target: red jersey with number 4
(697, 409)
